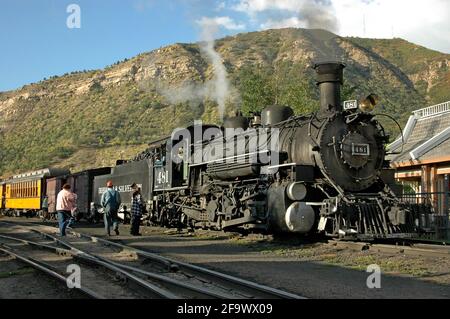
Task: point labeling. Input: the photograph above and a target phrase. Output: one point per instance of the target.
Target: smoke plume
(221, 85)
(319, 16)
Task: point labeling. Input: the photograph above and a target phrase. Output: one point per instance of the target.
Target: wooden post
(433, 188)
(425, 182)
(447, 203)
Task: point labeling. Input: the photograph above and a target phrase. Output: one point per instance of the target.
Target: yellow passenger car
(2, 195)
(25, 192)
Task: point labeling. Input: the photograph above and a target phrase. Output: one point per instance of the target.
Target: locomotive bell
(368, 104)
(330, 77)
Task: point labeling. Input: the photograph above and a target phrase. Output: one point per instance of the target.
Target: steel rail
(237, 283)
(46, 270)
(104, 262)
(94, 259)
(167, 280)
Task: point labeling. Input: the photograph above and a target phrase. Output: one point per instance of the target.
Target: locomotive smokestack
(330, 77)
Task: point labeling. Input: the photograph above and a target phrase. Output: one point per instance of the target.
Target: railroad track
(157, 276)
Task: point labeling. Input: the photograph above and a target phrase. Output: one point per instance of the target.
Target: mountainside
(92, 118)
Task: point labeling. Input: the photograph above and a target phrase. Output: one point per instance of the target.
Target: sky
(42, 38)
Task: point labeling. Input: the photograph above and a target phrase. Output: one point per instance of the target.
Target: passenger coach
(23, 194)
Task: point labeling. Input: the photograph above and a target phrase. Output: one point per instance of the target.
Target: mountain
(91, 118)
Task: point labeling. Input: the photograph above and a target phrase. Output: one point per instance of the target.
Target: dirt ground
(313, 270)
(19, 281)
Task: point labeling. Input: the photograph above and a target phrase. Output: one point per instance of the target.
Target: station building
(422, 157)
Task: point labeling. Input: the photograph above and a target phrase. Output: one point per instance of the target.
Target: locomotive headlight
(368, 104)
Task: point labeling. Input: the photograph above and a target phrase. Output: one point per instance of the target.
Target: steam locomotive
(324, 172)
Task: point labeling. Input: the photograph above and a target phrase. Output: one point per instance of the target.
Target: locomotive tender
(323, 172)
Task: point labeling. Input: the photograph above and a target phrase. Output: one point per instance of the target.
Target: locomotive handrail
(281, 165)
(400, 129)
(227, 158)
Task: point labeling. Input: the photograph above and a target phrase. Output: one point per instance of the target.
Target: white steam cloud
(319, 16)
(218, 88)
(210, 28)
(313, 14)
(422, 22)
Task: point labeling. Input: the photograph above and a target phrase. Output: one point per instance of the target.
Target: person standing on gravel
(137, 208)
(65, 203)
(111, 202)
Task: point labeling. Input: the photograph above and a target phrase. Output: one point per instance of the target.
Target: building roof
(426, 136)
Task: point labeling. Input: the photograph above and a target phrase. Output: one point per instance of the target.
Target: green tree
(256, 90)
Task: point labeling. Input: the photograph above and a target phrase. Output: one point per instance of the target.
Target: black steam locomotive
(323, 172)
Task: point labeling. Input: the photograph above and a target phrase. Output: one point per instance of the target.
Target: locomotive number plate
(361, 149)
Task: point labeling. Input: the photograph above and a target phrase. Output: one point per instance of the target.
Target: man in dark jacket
(111, 202)
(137, 208)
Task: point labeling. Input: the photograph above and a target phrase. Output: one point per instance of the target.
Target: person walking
(45, 208)
(111, 202)
(137, 208)
(65, 203)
